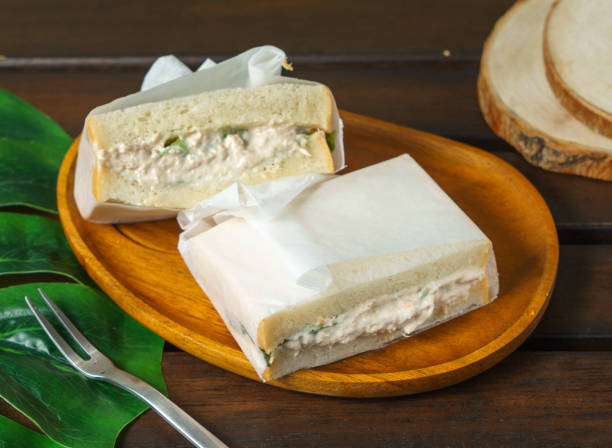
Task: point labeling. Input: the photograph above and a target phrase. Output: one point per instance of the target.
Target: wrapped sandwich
(349, 264)
(148, 155)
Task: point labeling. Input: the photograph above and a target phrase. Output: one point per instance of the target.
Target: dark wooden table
(386, 60)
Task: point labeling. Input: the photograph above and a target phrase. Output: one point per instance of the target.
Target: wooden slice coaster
(520, 106)
(578, 59)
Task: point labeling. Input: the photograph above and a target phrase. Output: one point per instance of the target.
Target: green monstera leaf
(36, 379)
(31, 244)
(14, 435)
(31, 150)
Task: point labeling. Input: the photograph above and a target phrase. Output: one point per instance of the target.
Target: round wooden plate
(140, 268)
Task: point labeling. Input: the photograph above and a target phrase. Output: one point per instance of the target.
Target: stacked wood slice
(545, 84)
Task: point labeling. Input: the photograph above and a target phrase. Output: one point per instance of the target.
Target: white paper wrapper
(169, 78)
(266, 252)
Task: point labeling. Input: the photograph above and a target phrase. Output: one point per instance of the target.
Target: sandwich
(351, 264)
(173, 153)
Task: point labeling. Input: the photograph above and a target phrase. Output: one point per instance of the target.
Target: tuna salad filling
(198, 157)
(408, 310)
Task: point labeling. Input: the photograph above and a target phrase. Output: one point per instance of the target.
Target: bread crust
(322, 142)
(594, 117)
(329, 108)
(97, 180)
(98, 176)
(537, 147)
(91, 130)
(96, 184)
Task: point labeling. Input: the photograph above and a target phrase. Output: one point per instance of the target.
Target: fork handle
(182, 422)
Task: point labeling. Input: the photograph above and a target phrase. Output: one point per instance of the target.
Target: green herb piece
(423, 292)
(244, 332)
(170, 140)
(175, 145)
(32, 147)
(266, 356)
(37, 380)
(317, 329)
(242, 135)
(331, 141)
(214, 143)
(31, 244)
(226, 130)
(306, 131)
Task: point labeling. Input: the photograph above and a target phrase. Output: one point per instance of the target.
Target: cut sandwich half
(174, 153)
(392, 253)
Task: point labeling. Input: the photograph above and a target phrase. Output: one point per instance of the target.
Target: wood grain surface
(539, 399)
(67, 57)
(415, 94)
(67, 28)
(434, 97)
(139, 267)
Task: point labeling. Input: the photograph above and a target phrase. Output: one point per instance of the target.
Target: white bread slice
(519, 105)
(578, 57)
(351, 290)
(114, 135)
(357, 281)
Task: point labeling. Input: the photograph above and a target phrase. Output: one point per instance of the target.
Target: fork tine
(74, 331)
(59, 342)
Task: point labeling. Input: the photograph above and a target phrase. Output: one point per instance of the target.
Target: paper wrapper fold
(169, 78)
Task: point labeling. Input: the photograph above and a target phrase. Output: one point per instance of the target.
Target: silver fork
(99, 367)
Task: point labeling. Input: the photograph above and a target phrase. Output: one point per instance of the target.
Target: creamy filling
(408, 310)
(198, 157)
